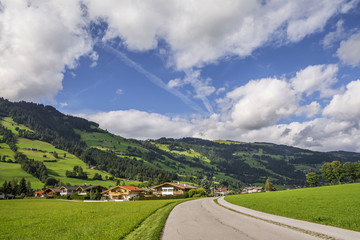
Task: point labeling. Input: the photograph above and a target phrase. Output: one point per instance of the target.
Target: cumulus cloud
(262, 102)
(345, 106)
(198, 35)
(38, 41)
(142, 125)
(349, 50)
(316, 78)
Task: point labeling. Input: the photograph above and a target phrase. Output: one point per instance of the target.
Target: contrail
(154, 79)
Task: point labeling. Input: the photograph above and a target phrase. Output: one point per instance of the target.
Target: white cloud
(177, 82)
(142, 125)
(309, 110)
(345, 106)
(261, 103)
(198, 35)
(63, 104)
(38, 41)
(119, 91)
(316, 78)
(349, 50)
(332, 37)
(94, 56)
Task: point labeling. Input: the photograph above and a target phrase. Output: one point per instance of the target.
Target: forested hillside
(48, 144)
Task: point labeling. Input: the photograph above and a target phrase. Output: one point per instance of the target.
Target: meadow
(337, 205)
(56, 219)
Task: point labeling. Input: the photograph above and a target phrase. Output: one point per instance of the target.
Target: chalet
(170, 188)
(52, 192)
(83, 190)
(67, 190)
(222, 191)
(39, 194)
(252, 190)
(122, 192)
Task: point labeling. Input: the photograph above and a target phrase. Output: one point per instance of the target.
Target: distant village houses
(252, 190)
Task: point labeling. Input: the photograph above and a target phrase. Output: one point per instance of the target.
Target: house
(123, 192)
(83, 190)
(52, 192)
(67, 190)
(221, 191)
(252, 190)
(39, 194)
(170, 188)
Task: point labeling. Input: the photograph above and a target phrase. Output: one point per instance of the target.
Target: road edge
(309, 232)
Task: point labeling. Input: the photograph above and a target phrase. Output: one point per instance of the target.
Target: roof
(89, 187)
(179, 185)
(131, 188)
(40, 192)
(57, 190)
(71, 188)
(221, 189)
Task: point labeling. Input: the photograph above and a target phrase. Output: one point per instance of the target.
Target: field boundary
(311, 233)
(160, 216)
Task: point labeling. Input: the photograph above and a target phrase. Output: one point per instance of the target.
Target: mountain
(39, 142)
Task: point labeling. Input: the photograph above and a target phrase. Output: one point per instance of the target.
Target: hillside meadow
(56, 219)
(337, 205)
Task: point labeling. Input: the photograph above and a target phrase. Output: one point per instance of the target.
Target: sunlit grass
(332, 205)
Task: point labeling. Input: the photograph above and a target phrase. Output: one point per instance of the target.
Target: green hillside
(59, 142)
(331, 205)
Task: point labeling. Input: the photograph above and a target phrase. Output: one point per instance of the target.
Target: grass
(10, 124)
(331, 205)
(55, 219)
(152, 227)
(9, 171)
(58, 169)
(6, 151)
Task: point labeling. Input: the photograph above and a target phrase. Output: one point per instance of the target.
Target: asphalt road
(204, 219)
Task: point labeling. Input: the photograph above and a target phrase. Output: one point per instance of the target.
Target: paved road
(204, 219)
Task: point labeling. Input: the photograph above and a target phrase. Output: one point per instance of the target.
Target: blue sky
(278, 71)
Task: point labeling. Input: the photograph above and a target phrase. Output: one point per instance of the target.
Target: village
(167, 190)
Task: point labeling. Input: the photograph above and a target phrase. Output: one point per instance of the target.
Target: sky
(282, 71)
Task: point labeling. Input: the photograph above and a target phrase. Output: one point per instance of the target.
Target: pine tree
(22, 186)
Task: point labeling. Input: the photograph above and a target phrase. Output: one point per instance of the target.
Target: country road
(204, 219)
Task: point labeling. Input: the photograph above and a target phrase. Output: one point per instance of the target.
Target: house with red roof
(123, 192)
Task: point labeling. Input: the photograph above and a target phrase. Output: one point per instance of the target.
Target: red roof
(40, 192)
(132, 188)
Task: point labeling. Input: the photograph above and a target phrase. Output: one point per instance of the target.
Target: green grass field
(56, 219)
(6, 151)
(331, 205)
(9, 171)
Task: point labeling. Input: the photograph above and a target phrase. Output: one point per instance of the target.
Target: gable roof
(179, 185)
(70, 188)
(130, 188)
(55, 190)
(89, 187)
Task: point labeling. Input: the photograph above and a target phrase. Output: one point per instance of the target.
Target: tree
(326, 172)
(56, 154)
(205, 184)
(352, 170)
(312, 179)
(268, 185)
(22, 186)
(338, 171)
(50, 182)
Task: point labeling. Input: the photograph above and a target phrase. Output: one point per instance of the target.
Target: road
(204, 219)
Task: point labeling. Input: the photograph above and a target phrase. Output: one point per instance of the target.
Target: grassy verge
(333, 205)
(152, 227)
(55, 219)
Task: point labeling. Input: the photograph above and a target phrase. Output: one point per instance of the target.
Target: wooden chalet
(170, 188)
(123, 192)
(39, 193)
(52, 192)
(67, 190)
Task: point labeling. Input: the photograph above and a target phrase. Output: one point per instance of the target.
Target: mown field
(13, 170)
(331, 205)
(56, 219)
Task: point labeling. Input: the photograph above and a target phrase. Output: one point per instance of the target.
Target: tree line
(335, 173)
